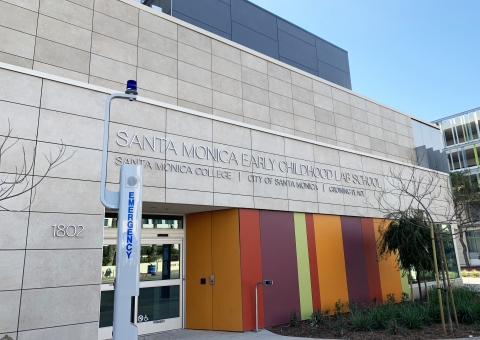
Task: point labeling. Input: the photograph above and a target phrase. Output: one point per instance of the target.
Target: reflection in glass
(108, 263)
(158, 303)
(106, 309)
(149, 221)
(157, 262)
(160, 262)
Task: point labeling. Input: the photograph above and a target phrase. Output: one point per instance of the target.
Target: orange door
(198, 258)
(213, 248)
(227, 290)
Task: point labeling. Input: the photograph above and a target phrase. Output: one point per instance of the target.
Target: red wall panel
(279, 263)
(312, 257)
(357, 280)
(251, 264)
(373, 273)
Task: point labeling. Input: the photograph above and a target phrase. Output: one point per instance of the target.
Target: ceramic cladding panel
(295, 254)
(106, 42)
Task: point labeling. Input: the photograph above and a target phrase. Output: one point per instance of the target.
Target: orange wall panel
(227, 291)
(389, 273)
(330, 260)
(198, 297)
(251, 264)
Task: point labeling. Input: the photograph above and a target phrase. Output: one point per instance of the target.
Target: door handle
(212, 279)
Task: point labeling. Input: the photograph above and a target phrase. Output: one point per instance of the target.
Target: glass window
(149, 221)
(450, 252)
(160, 262)
(106, 308)
(158, 303)
(157, 262)
(473, 241)
(470, 157)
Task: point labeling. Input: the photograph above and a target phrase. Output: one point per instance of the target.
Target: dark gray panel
(334, 75)
(441, 161)
(301, 67)
(254, 40)
(422, 159)
(431, 159)
(255, 18)
(332, 55)
(295, 31)
(214, 13)
(201, 25)
(297, 50)
(165, 5)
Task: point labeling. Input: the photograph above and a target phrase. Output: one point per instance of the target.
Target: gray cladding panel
(254, 40)
(332, 55)
(432, 164)
(214, 13)
(334, 75)
(299, 66)
(422, 158)
(247, 24)
(201, 25)
(255, 18)
(296, 31)
(297, 50)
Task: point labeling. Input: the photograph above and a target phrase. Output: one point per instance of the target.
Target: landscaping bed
(390, 320)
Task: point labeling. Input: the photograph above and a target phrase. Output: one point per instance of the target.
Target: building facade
(460, 136)
(254, 169)
(252, 26)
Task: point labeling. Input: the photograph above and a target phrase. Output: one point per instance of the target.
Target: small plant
(340, 327)
(405, 297)
(339, 309)
(395, 328)
(294, 318)
(316, 318)
(475, 273)
(352, 305)
(465, 273)
(391, 298)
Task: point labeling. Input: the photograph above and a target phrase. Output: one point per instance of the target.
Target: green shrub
(316, 318)
(466, 313)
(362, 321)
(465, 273)
(294, 318)
(475, 273)
(381, 315)
(413, 315)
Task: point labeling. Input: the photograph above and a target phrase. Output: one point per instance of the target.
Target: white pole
(129, 204)
(256, 307)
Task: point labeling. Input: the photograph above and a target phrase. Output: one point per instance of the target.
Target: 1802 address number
(60, 230)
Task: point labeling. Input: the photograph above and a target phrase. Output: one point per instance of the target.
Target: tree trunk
(420, 297)
(464, 247)
(443, 268)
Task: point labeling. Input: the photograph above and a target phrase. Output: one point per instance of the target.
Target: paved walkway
(188, 334)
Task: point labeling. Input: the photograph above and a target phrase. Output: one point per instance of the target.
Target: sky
(419, 56)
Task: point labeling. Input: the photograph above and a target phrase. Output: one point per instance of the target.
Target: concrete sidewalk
(189, 334)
